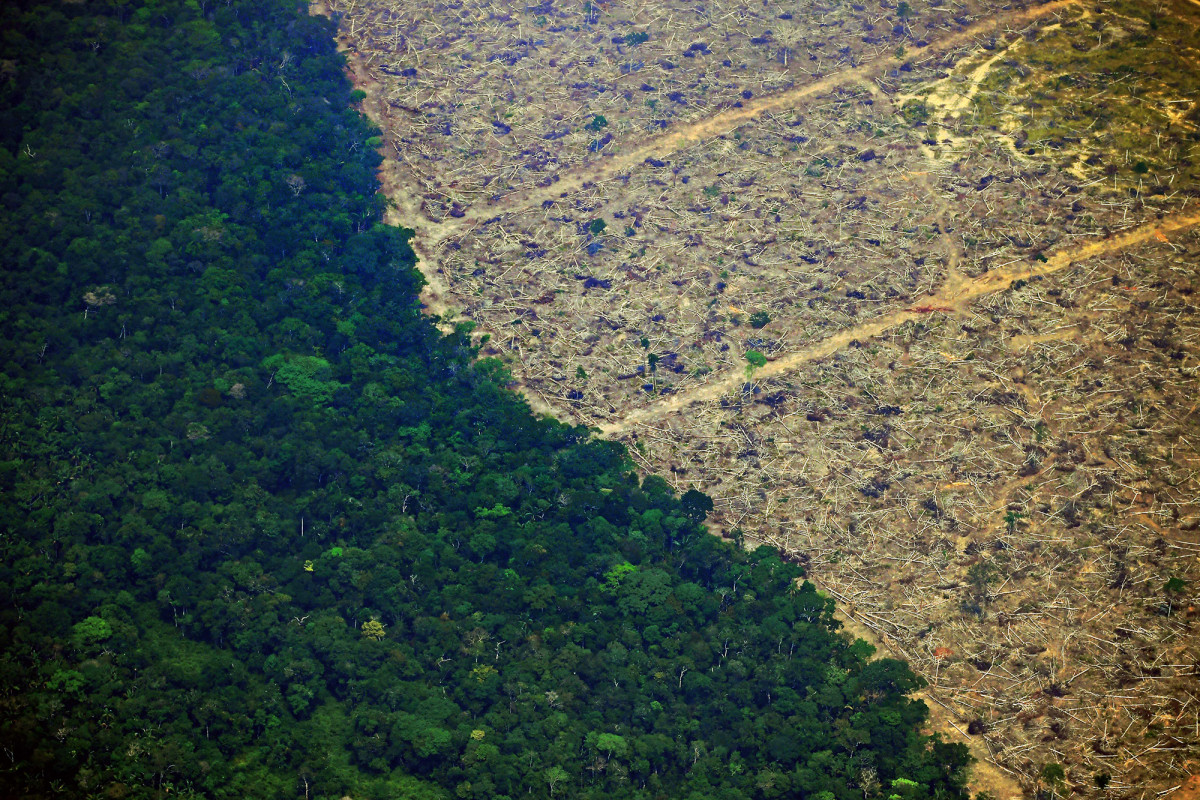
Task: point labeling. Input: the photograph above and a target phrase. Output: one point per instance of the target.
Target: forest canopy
(267, 533)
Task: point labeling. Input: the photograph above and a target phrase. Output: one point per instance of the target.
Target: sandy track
(685, 135)
(954, 297)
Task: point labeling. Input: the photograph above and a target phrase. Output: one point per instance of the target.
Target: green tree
(307, 376)
(696, 505)
(554, 776)
(68, 682)
(611, 744)
(755, 361)
(1054, 776)
(141, 561)
(92, 631)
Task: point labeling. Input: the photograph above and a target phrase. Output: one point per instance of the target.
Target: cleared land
(963, 238)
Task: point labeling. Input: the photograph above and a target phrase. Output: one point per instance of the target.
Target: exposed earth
(910, 290)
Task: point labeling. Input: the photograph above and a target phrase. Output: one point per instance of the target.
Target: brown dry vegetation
(974, 230)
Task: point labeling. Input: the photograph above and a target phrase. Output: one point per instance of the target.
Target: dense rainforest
(265, 532)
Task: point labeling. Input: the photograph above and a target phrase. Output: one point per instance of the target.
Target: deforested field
(910, 290)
